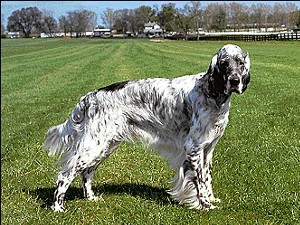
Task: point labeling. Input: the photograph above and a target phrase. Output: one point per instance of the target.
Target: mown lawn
(256, 163)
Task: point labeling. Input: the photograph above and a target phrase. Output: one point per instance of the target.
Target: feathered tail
(64, 140)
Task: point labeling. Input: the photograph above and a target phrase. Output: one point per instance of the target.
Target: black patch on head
(114, 87)
(218, 82)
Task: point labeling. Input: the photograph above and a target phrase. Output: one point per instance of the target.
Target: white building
(152, 30)
(13, 34)
(99, 32)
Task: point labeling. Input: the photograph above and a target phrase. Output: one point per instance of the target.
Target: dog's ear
(215, 78)
(213, 64)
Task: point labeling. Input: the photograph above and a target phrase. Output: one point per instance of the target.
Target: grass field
(256, 163)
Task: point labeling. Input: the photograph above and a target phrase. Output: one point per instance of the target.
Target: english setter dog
(182, 118)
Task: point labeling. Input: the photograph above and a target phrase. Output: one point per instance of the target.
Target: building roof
(102, 30)
(150, 24)
(152, 30)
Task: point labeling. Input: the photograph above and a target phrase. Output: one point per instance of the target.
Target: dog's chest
(211, 121)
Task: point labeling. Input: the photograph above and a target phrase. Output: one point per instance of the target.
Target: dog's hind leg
(87, 176)
(88, 170)
(63, 182)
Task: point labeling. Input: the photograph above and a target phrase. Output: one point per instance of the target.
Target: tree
(2, 28)
(64, 24)
(25, 20)
(195, 10)
(89, 20)
(81, 21)
(295, 19)
(2, 24)
(184, 20)
(219, 22)
(166, 17)
(134, 19)
(215, 17)
(278, 15)
(131, 20)
(291, 15)
(108, 17)
(144, 14)
(48, 24)
(259, 15)
(238, 15)
(121, 23)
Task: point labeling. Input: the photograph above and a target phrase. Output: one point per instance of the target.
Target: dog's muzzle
(235, 84)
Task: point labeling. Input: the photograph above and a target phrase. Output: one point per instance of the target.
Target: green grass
(256, 163)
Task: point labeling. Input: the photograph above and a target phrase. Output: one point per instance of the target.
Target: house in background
(102, 32)
(12, 34)
(152, 30)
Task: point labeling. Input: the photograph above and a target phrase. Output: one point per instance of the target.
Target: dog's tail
(64, 140)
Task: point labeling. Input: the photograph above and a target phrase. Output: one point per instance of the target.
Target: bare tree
(25, 20)
(121, 23)
(291, 14)
(64, 24)
(238, 15)
(2, 24)
(89, 21)
(132, 22)
(81, 21)
(215, 17)
(2, 28)
(259, 15)
(195, 11)
(48, 23)
(108, 17)
(255, 16)
(294, 19)
(134, 19)
(208, 14)
(277, 17)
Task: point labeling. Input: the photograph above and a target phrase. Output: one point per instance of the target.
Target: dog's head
(230, 70)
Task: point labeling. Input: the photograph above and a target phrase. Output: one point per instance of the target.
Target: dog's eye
(241, 63)
(224, 63)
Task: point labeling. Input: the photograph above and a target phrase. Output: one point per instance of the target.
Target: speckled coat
(182, 118)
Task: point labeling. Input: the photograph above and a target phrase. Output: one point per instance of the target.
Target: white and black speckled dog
(183, 118)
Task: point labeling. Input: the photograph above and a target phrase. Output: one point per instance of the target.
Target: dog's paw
(205, 205)
(211, 207)
(57, 208)
(93, 198)
(215, 200)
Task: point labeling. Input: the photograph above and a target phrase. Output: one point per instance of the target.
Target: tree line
(213, 17)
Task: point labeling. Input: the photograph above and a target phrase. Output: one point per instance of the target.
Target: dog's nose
(234, 81)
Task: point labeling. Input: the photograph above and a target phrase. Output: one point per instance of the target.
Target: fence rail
(242, 37)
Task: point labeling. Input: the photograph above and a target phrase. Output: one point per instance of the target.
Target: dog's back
(145, 105)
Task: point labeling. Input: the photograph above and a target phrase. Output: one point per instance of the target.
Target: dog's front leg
(190, 188)
(208, 173)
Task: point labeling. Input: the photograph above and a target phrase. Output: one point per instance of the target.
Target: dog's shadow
(147, 192)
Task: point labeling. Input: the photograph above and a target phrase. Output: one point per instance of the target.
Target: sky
(60, 8)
